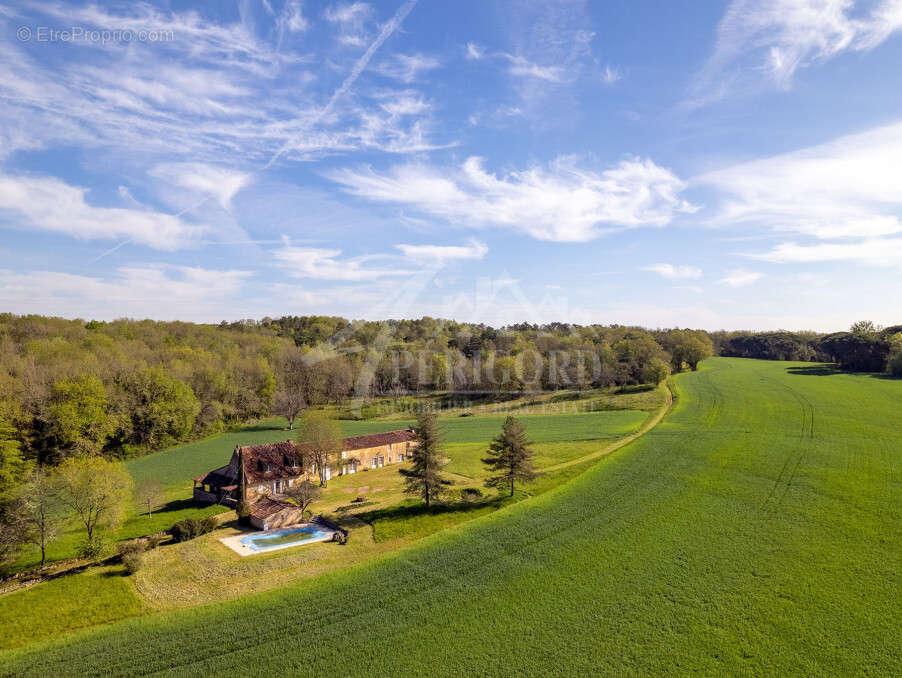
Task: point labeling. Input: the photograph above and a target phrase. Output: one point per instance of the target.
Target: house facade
(270, 469)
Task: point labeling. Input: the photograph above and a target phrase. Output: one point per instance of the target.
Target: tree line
(866, 347)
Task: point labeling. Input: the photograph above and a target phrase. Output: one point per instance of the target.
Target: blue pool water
(264, 542)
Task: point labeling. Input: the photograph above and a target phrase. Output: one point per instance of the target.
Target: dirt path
(649, 424)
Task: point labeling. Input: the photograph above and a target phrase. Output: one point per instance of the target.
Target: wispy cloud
(561, 202)
(764, 42)
(46, 203)
(407, 67)
(161, 292)
(474, 52)
(846, 189)
(474, 250)
(217, 182)
(610, 75)
(741, 278)
(870, 251)
(671, 272)
(524, 68)
(327, 264)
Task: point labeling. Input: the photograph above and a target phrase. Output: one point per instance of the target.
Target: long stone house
(270, 469)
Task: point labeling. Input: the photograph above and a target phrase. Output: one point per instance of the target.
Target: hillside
(753, 531)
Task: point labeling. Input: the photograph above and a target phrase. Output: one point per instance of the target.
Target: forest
(123, 388)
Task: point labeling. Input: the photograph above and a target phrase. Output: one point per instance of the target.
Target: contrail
(390, 27)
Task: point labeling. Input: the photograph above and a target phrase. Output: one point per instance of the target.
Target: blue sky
(705, 164)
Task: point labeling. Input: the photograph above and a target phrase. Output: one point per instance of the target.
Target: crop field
(754, 531)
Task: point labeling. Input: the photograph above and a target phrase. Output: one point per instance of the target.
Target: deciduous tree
(149, 494)
(96, 489)
(42, 510)
(320, 436)
(303, 494)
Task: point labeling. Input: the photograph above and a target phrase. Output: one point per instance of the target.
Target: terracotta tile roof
(267, 506)
(371, 440)
(274, 455)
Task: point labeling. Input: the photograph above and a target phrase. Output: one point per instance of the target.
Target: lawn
(89, 598)
(753, 532)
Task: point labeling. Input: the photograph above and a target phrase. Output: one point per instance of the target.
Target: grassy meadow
(204, 571)
(753, 532)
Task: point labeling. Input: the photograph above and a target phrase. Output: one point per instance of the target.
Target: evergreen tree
(424, 477)
(510, 457)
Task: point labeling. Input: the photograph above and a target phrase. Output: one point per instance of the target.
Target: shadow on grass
(637, 388)
(814, 370)
(415, 509)
(829, 370)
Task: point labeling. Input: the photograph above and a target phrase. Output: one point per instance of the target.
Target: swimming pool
(289, 536)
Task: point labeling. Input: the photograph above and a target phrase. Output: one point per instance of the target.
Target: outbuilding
(268, 513)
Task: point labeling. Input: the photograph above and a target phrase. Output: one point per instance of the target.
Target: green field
(755, 531)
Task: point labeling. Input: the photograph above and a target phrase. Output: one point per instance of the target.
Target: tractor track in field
(649, 424)
(794, 459)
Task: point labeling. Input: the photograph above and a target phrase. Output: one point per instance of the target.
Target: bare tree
(42, 510)
(149, 495)
(291, 379)
(321, 438)
(303, 494)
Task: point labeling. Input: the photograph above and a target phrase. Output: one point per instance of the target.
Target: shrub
(92, 549)
(244, 513)
(189, 528)
(471, 494)
(155, 540)
(209, 524)
(131, 553)
(133, 561)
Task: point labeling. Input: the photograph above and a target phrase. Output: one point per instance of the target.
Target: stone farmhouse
(267, 471)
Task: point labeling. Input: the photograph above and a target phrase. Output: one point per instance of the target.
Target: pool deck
(234, 542)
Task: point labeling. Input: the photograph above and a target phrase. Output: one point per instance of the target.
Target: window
(389, 459)
(344, 455)
(373, 462)
(290, 482)
(259, 488)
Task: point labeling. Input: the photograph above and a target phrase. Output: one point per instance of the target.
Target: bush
(92, 549)
(155, 540)
(244, 513)
(209, 524)
(189, 528)
(131, 553)
(471, 494)
(133, 561)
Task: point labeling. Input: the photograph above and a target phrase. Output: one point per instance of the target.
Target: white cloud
(845, 189)
(611, 75)
(325, 264)
(672, 272)
(562, 203)
(871, 251)
(474, 250)
(351, 19)
(522, 67)
(761, 41)
(215, 92)
(474, 51)
(741, 278)
(407, 67)
(168, 292)
(46, 203)
(215, 182)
